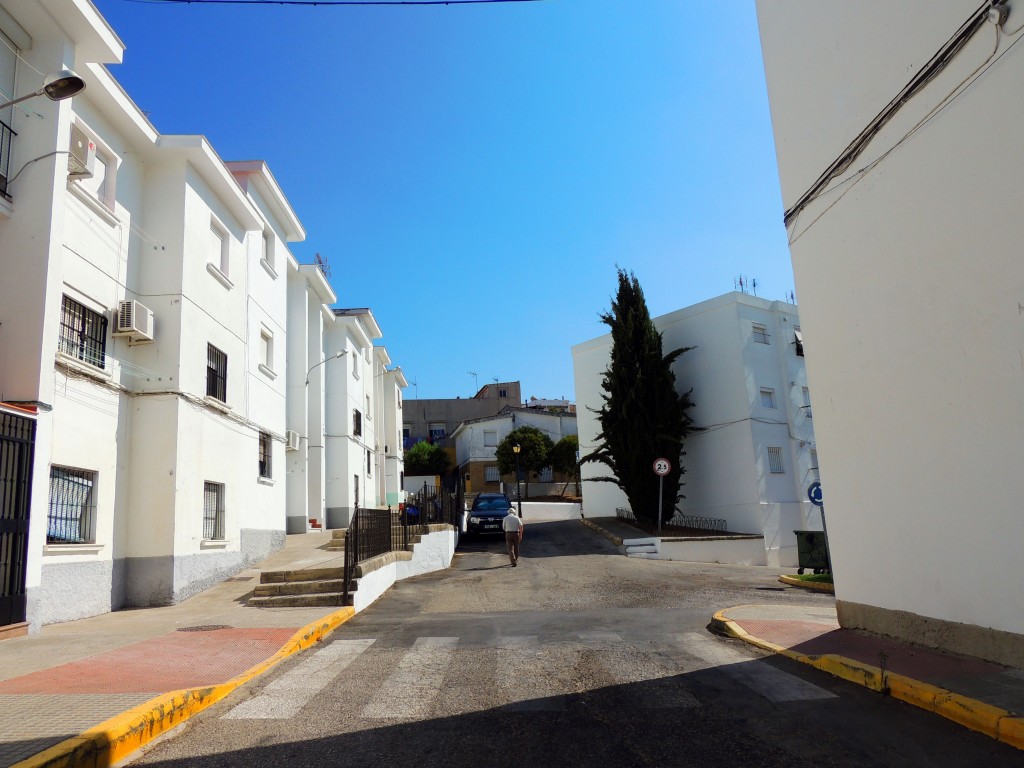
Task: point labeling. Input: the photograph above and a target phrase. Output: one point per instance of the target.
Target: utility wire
(330, 2)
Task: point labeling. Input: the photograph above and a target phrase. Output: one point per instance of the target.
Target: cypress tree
(642, 418)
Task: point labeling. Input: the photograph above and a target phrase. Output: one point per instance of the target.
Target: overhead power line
(330, 2)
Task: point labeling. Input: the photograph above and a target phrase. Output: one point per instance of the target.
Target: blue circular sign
(814, 494)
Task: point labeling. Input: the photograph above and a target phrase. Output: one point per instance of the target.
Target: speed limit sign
(662, 467)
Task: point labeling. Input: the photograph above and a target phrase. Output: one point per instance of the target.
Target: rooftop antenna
(753, 285)
(415, 386)
(739, 283)
(791, 297)
(476, 386)
(322, 265)
(494, 379)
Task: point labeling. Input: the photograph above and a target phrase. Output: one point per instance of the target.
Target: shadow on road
(555, 538)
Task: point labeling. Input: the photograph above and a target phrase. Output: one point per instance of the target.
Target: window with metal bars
(213, 511)
(72, 512)
(760, 333)
(216, 373)
(265, 455)
(775, 461)
(491, 474)
(83, 333)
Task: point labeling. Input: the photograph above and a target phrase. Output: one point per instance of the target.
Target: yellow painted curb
(598, 529)
(992, 721)
(118, 737)
(817, 585)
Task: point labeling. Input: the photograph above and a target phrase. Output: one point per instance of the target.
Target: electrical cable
(952, 96)
(329, 2)
(855, 148)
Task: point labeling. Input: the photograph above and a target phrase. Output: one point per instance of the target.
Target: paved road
(578, 657)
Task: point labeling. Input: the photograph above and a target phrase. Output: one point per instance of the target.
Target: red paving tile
(165, 663)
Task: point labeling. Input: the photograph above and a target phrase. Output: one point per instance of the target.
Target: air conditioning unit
(291, 440)
(81, 154)
(134, 320)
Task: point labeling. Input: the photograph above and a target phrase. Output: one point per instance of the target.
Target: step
(305, 574)
(299, 588)
(339, 533)
(323, 600)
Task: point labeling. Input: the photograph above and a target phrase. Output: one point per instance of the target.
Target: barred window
(70, 519)
(265, 455)
(775, 461)
(83, 333)
(760, 333)
(216, 373)
(213, 510)
(491, 474)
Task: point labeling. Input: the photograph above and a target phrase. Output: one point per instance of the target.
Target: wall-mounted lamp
(335, 356)
(56, 87)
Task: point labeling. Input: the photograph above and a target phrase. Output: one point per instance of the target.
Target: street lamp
(335, 356)
(56, 87)
(519, 493)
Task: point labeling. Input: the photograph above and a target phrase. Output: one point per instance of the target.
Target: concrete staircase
(305, 588)
(319, 587)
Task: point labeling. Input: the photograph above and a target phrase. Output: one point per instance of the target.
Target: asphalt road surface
(578, 657)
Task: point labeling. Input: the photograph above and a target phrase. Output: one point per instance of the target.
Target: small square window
(760, 333)
(83, 333)
(218, 249)
(502, 393)
(437, 431)
(490, 438)
(216, 373)
(70, 519)
(491, 474)
(767, 398)
(266, 454)
(775, 461)
(213, 511)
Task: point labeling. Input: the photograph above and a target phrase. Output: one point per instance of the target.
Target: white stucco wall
(910, 287)
(727, 475)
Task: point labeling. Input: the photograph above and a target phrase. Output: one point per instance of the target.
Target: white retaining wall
(434, 552)
(730, 550)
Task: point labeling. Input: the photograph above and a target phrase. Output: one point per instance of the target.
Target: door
(17, 442)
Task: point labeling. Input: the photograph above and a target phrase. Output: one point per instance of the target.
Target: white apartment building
(477, 440)
(906, 252)
(164, 417)
(350, 436)
(753, 461)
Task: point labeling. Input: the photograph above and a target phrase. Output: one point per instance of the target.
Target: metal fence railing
(679, 520)
(375, 532)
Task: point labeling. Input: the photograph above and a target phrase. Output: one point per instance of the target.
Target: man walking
(513, 527)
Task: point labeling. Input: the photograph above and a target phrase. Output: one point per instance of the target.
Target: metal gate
(17, 442)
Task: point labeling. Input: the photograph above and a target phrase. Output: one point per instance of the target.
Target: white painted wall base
(732, 550)
(434, 552)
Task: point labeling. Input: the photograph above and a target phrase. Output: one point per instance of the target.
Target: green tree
(563, 459)
(643, 417)
(426, 459)
(534, 449)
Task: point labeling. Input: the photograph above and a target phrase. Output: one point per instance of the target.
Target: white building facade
(753, 461)
(906, 252)
(156, 338)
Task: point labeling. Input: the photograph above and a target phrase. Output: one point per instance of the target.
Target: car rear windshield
(492, 505)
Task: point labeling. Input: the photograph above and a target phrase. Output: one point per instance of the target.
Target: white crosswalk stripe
(287, 695)
(411, 689)
(774, 684)
(628, 665)
(531, 675)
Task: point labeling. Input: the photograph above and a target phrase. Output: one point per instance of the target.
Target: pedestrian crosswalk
(529, 674)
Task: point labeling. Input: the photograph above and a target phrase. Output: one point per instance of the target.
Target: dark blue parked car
(488, 512)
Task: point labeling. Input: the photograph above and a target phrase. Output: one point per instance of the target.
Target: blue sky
(475, 173)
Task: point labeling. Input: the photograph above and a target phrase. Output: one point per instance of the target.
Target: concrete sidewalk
(980, 695)
(96, 689)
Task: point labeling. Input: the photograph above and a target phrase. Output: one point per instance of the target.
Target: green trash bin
(812, 551)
